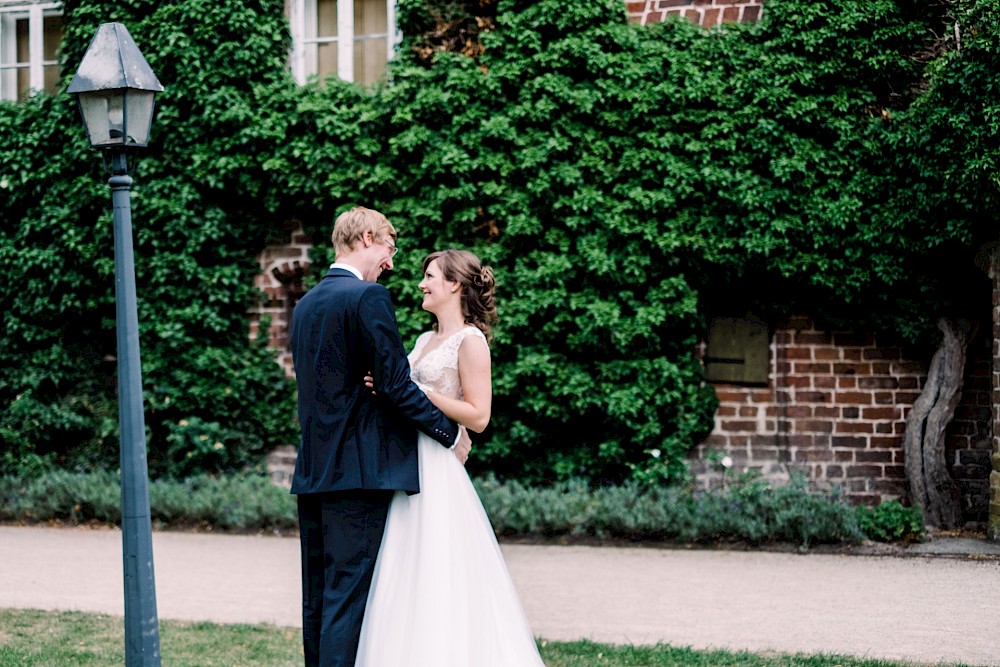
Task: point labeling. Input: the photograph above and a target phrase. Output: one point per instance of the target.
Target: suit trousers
(340, 534)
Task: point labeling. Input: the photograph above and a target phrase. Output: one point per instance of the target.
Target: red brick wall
(706, 13)
(283, 263)
(835, 409)
(969, 438)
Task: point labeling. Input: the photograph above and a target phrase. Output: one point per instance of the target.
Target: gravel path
(919, 608)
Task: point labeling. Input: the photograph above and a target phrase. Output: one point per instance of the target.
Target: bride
(441, 595)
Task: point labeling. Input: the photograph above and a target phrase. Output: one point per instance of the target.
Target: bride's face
(438, 292)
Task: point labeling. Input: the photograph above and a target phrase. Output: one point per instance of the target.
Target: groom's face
(379, 253)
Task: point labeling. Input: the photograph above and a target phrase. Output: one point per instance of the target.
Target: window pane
(52, 36)
(22, 41)
(326, 18)
(22, 50)
(326, 59)
(371, 17)
(737, 351)
(15, 83)
(23, 82)
(51, 73)
(369, 59)
(8, 82)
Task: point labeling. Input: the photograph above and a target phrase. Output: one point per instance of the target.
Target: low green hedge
(746, 509)
(233, 503)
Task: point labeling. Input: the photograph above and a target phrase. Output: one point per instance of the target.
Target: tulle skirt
(441, 595)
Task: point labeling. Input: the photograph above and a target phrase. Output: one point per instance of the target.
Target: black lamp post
(115, 88)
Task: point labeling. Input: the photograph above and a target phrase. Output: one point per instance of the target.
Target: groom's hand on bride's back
(462, 448)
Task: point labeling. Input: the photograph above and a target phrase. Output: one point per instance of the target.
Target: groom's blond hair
(351, 226)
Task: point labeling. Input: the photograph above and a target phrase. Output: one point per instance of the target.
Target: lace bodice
(437, 369)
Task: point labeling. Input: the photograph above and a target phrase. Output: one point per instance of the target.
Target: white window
(353, 39)
(30, 36)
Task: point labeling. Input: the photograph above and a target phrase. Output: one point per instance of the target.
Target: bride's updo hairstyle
(478, 286)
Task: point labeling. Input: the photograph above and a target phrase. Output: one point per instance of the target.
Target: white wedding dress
(441, 595)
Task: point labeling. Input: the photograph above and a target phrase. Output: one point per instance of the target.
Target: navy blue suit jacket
(342, 329)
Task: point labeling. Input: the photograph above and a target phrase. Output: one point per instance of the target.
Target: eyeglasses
(388, 242)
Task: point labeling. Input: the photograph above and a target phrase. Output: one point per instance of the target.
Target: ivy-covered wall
(212, 402)
(625, 181)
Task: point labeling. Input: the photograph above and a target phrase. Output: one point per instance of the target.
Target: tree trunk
(931, 486)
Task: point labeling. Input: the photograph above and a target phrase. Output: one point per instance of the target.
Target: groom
(356, 449)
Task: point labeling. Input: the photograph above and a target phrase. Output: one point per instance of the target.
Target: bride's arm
(473, 410)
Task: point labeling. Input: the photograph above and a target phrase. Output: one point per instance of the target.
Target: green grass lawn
(30, 638)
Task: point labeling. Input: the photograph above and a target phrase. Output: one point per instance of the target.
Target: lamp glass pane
(118, 117)
(139, 105)
(103, 114)
(94, 108)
